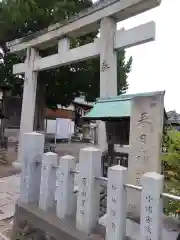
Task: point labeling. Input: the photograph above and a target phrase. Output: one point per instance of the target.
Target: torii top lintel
(83, 23)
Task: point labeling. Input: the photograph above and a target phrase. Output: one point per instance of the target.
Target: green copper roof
(115, 107)
(111, 109)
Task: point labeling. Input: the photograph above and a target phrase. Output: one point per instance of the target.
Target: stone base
(48, 223)
(53, 226)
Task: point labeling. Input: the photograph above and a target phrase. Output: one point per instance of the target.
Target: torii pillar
(108, 81)
(108, 70)
(29, 98)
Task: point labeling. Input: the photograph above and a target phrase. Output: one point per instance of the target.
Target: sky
(156, 65)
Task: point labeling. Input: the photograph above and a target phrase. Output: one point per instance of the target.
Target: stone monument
(146, 129)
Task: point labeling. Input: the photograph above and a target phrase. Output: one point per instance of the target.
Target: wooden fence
(50, 182)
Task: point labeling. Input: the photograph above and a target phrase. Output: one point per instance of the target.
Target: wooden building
(13, 105)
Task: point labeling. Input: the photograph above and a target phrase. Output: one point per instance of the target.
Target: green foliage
(18, 18)
(171, 161)
(124, 68)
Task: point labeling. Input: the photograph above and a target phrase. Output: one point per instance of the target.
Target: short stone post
(48, 181)
(116, 203)
(65, 188)
(32, 153)
(88, 199)
(151, 206)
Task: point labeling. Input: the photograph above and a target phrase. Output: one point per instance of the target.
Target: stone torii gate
(103, 16)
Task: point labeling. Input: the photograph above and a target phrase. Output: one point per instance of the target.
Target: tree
(19, 18)
(171, 161)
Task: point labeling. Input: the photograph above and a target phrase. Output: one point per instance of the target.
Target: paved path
(9, 192)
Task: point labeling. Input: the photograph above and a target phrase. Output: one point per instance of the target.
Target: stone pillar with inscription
(151, 206)
(65, 188)
(48, 181)
(116, 200)
(146, 128)
(88, 198)
(33, 149)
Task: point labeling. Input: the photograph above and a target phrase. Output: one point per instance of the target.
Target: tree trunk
(39, 118)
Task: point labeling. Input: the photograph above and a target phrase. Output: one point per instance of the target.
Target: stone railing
(52, 185)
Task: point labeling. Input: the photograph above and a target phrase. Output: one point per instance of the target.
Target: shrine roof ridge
(84, 22)
(117, 107)
(127, 97)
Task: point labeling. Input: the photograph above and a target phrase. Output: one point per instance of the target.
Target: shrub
(171, 163)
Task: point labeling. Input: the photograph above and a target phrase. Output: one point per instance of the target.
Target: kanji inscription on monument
(84, 195)
(151, 207)
(145, 142)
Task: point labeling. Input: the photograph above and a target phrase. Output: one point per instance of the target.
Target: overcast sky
(156, 65)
